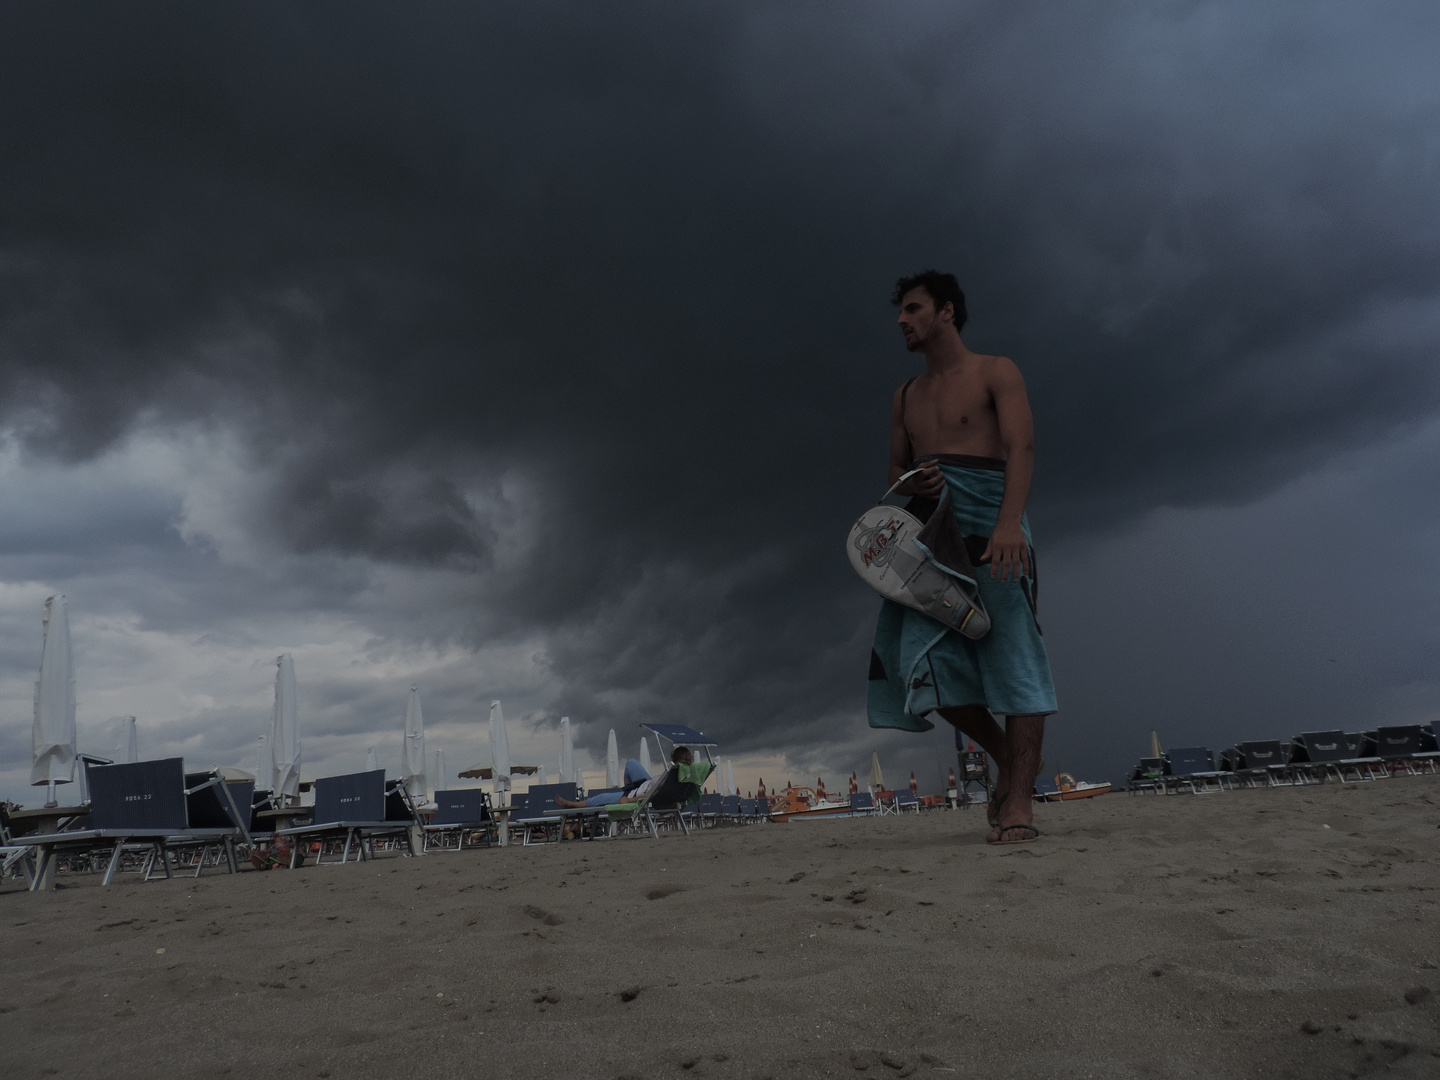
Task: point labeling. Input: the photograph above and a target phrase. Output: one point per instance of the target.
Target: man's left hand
(1008, 553)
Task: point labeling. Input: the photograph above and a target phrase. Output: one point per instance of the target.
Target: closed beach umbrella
(53, 736)
(129, 742)
(412, 753)
(499, 746)
(285, 731)
(612, 761)
(644, 754)
(567, 752)
(371, 761)
(877, 778)
(730, 788)
(438, 780)
(1155, 750)
(264, 765)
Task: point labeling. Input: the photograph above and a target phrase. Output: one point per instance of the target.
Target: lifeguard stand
(974, 771)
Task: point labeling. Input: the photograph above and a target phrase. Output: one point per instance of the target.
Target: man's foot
(1016, 834)
(992, 815)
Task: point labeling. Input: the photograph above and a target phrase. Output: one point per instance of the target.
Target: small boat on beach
(799, 803)
(1067, 788)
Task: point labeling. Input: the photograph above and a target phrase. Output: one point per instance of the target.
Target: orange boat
(795, 803)
(1070, 788)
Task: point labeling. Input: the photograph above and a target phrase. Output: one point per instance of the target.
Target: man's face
(919, 321)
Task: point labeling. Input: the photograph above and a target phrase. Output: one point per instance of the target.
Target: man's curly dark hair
(943, 288)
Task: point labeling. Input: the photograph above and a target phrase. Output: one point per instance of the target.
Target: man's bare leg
(976, 723)
(1023, 738)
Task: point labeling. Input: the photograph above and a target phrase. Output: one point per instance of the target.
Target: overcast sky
(543, 352)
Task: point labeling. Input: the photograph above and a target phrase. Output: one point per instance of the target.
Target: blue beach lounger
(358, 807)
(137, 806)
(463, 811)
(862, 803)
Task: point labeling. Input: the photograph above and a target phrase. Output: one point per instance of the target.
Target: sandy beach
(1231, 935)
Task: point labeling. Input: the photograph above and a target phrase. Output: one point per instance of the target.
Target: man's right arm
(928, 484)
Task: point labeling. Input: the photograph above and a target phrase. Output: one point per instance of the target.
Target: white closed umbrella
(438, 780)
(567, 752)
(499, 748)
(372, 763)
(285, 732)
(264, 765)
(644, 754)
(412, 754)
(612, 761)
(52, 738)
(500, 765)
(877, 778)
(730, 778)
(128, 751)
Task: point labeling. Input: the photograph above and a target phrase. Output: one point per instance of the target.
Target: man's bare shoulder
(998, 370)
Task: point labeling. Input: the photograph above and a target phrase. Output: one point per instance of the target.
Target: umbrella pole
(502, 786)
(50, 799)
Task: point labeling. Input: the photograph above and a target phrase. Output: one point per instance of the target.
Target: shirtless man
(966, 422)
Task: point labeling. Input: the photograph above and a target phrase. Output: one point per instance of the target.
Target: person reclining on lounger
(638, 783)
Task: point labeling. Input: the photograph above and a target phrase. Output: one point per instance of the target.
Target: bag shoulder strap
(904, 393)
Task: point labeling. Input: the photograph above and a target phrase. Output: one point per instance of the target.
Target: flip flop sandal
(1034, 834)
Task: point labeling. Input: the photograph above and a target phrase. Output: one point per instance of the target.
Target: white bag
(884, 551)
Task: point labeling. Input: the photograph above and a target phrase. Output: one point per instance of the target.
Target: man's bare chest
(953, 407)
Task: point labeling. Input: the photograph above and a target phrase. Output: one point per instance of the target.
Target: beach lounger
(541, 814)
(1319, 755)
(863, 804)
(905, 799)
(1352, 767)
(462, 811)
(709, 809)
(358, 808)
(1261, 762)
(1402, 748)
(1148, 775)
(13, 856)
(672, 797)
(730, 808)
(213, 801)
(142, 806)
(591, 816)
(1192, 767)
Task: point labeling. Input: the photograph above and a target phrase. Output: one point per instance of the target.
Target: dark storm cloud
(640, 256)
